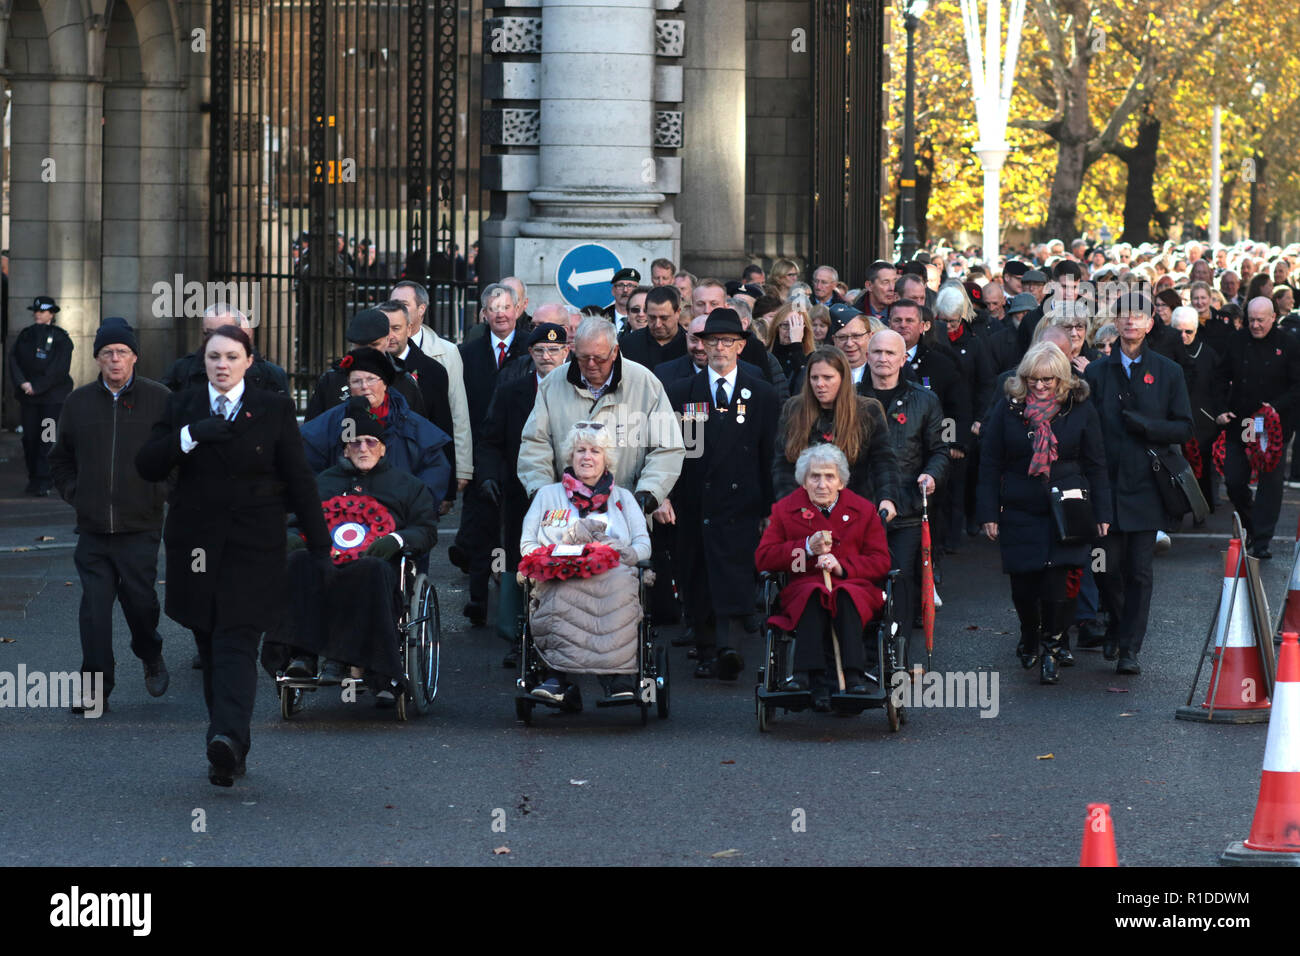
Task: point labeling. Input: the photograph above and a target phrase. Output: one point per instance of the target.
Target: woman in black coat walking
(1045, 435)
(240, 467)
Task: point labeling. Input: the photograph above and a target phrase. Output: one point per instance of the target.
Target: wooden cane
(835, 644)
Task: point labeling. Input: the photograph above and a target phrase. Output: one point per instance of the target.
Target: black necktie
(826, 512)
(720, 399)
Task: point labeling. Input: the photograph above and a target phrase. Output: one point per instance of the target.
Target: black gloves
(385, 548)
(214, 428)
(646, 501)
(1134, 424)
(491, 490)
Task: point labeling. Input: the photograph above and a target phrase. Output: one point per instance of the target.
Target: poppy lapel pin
(1149, 378)
(900, 418)
(806, 514)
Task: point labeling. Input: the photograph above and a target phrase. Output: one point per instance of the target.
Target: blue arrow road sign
(584, 276)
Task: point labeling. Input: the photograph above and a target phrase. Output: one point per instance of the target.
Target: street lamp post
(907, 239)
(991, 82)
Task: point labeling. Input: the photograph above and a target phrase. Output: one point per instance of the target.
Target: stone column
(596, 162)
(712, 201)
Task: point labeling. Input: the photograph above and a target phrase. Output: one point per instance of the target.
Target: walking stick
(835, 643)
(927, 583)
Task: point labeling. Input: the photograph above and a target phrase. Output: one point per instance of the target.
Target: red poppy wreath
(354, 523)
(544, 565)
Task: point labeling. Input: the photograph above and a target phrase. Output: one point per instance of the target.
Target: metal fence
(343, 159)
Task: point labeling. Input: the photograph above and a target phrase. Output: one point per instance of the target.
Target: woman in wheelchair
(352, 618)
(586, 624)
(831, 544)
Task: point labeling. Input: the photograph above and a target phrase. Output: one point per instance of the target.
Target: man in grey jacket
(119, 514)
(599, 385)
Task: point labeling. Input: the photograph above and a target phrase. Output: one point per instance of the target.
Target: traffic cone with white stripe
(1291, 607)
(1098, 837)
(1275, 832)
(1238, 689)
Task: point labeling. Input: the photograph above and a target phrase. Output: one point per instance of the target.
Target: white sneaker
(1163, 542)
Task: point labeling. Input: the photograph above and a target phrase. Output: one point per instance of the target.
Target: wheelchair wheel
(524, 711)
(894, 713)
(766, 713)
(422, 648)
(661, 691)
(291, 701)
(405, 707)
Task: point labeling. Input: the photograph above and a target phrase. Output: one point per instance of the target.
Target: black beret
(358, 419)
(548, 333)
(1015, 268)
(626, 275)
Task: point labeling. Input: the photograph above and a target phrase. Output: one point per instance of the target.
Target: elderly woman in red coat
(823, 529)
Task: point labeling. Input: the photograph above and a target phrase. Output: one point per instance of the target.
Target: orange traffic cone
(1291, 607)
(1238, 689)
(1098, 837)
(1275, 831)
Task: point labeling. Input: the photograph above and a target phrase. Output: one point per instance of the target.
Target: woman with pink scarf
(1043, 494)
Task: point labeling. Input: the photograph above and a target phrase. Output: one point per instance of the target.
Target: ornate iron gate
(847, 112)
(342, 160)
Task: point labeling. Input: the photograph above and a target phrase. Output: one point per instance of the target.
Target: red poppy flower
(900, 418)
(1149, 378)
(806, 514)
(828, 437)
(346, 362)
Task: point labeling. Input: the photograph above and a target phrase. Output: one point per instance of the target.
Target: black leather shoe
(1047, 672)
(821, 699)
(1028, 657)
(707, 669)
(156, 677)
(751, 623)
(693, 654)
(794, 685)
(223, 761)
(685, 639)
(1091, 634)
(1128, 664)
(1061, 651)
(333, 672)
(302, 667)
(1261, 552)
(85, 706)
(458, 557)
(511, 660)
(730, 664)
(476, 613)
(1110, 649)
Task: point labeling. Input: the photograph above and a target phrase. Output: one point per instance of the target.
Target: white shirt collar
(496, 342)
(234, 395)
(405, 352)
(730, 380)
(911, 353)
(859, 372)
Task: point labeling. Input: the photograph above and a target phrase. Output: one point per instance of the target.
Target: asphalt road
(346, 784)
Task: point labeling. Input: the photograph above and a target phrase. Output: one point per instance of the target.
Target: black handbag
(1071, 506)
(1176, 481)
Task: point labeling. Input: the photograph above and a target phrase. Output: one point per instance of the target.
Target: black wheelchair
(419, 641)
(778, 659)
(651, 677)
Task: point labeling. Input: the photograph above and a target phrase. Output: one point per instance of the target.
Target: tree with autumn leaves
(1110, 119)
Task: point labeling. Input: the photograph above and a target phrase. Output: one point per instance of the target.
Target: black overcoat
(1160, 413)
(225, 528)
(1020, 503)
(724, 491)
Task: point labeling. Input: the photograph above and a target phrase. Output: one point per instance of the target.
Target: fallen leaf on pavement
(1046, 757)
(1117, 690)
(972, 627)
(728, 761)
(724, 854)
(46, 537)
(501, 851)
(7, 640)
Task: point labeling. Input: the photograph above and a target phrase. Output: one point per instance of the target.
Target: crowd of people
(713, 427)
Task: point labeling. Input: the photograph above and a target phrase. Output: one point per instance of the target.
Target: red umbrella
(927, 583)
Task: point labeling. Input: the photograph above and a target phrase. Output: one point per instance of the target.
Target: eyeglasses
(547, 351)
(634, 310)
(850, 336)
(1073, 325)
(366, 443)
(115, 353)
(720, 342)
(370, 381)
(1042, 381)
(594, 359)
(590, 426)
(624, 286)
